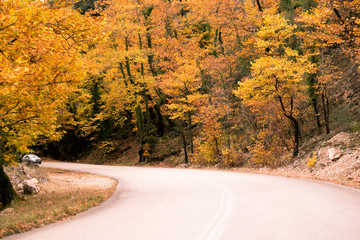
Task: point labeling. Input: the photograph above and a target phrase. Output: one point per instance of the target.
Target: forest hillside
(197, 82)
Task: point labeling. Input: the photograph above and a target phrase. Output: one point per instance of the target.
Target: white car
(31, 158)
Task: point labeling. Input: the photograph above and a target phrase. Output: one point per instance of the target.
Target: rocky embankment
(337, 159)
(26, 178)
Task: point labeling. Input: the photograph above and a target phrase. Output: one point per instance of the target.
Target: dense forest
(234, 80)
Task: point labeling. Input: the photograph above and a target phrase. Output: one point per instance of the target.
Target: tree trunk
(259, 5)
(325, 103)
(296, 136)
(221, 43)
(191, 134)
(140, 124)
(160, 126)
(147, 114)
(294, 122)
(141, 152)
(184, 143)
(317, 114)
(7, 192)
(313, 96)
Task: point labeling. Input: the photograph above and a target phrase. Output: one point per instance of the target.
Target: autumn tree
(182, 88)
(277, 76)
(331, 34)
(174, 65)
(229, 29)
(128, 61)
(41, 62)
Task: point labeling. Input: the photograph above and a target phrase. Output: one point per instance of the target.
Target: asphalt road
(185, 204)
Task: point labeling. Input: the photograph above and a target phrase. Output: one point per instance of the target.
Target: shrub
(311, 161)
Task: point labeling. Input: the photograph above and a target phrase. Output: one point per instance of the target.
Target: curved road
(185, 204)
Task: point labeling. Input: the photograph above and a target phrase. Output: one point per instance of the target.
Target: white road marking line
(216, 227)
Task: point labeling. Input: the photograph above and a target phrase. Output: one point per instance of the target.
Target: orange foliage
(186, 57)
(40, 63)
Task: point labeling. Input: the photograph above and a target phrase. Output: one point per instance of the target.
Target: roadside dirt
(79, 179)
(45, 180)
(55, 195)
(334, 160)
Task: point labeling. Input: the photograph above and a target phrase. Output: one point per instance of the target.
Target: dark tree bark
(317, 113)
(326, 111)
(295, 123)
(141, 152)
(259, 5)
(338, 15)
(184, 143)
(191, 134)
(296, 127)
(7, 192)
(160, 126)
(314, 99)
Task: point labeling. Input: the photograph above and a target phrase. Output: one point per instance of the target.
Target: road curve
(185, 204)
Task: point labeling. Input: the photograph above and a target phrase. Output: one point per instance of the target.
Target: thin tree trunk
(217, 147)
(122, 72)
(140, 124)
(190, 133)
(184, 144)
(221, 43)
(147, 115)
(317, 114)
(313, 96)
(296, 136)
(127, 62)
(325, 103)
(259, 5)
(295, 123)
(160, 126)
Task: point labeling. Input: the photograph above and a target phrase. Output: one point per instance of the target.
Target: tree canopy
(231, 77)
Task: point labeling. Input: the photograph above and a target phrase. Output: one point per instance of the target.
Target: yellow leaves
(277, 76)
(9, 158)
(311, 161)
(182, 88)
(40, 63)
(273, 33)
(329, 28)
(267, 151)
(273, 77)
(317, 17)
(179, 107)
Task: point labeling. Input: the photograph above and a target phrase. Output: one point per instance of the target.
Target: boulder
(335, 154)
(32, 181)
(29, 187)
(322, 157)
(341, 138)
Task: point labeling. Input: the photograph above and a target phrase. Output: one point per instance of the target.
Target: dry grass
(66, 194)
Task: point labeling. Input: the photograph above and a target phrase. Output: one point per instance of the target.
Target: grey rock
(335, 154)
(29, 186)
(341, 138)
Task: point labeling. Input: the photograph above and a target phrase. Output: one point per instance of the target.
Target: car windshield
(32, 156)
